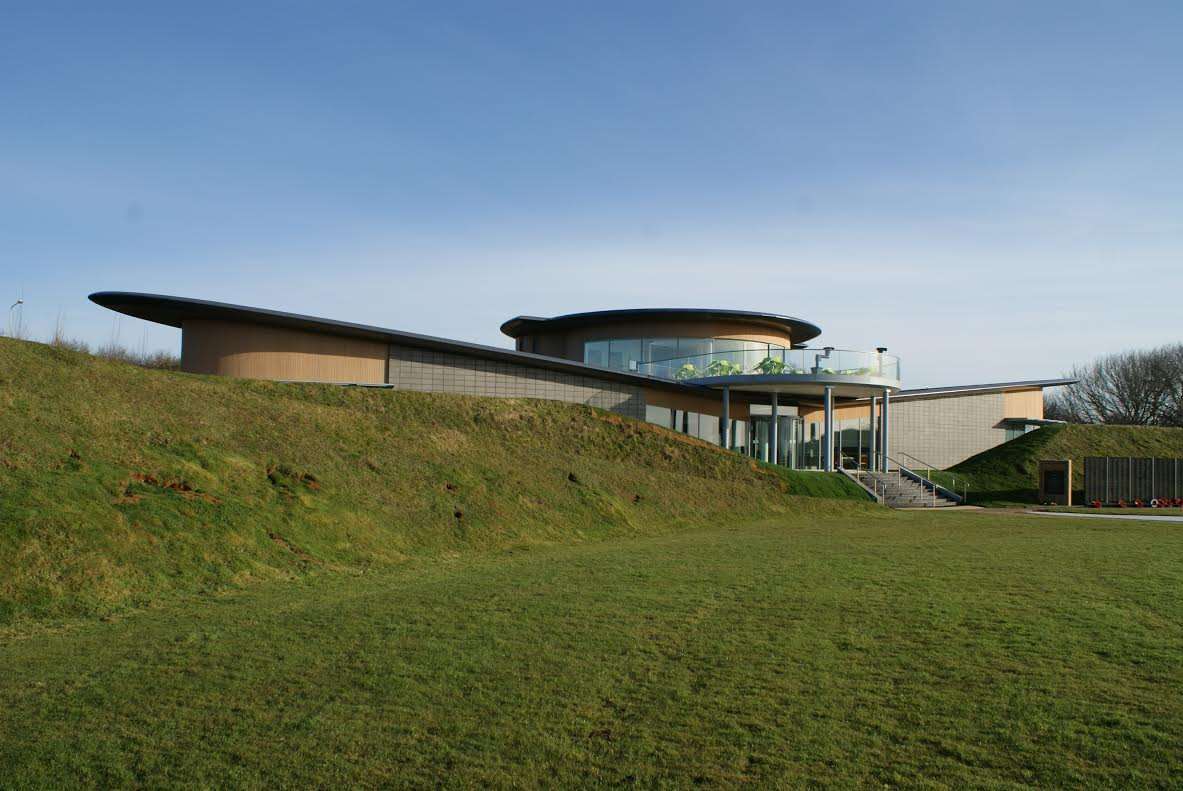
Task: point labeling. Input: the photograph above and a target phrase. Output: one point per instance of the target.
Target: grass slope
(889, 649)
(1008, 473)
(119, 485)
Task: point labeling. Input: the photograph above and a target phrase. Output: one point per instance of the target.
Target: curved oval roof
(799, 329)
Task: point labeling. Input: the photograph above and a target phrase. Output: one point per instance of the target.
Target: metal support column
(725, 419)
(772, 433)
(872, 451)
(884, 437)
(828, 427)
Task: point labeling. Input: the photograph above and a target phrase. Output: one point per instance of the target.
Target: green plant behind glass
(722, 367)
(770, 366)
(687, 371)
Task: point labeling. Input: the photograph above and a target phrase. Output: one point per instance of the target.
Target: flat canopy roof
(992, 387)
(799, 329)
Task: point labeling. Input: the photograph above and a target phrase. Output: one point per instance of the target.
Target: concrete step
(901, 492)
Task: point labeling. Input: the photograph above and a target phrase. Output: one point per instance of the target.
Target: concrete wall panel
(944, 431)
(443, 372)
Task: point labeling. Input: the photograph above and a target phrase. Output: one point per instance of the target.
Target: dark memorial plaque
(1053, 482)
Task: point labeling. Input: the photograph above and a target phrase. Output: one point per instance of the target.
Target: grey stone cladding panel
(443, 372)
(947, 430)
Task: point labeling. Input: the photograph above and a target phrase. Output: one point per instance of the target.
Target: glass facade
(725, 357)
(697, 424)
(678, 358)
(789, 439)
(625, 355)
(853, 439)
(693, 358)
(1014, 432)
(596, 353)
(800, 444)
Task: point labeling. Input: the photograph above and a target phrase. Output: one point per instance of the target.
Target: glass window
(660, 354)
(850, 441)
(596, 353)
(657, 349)
(694, 347)
(729, 345)
(693, 357)
(683, 358)
(727, 357)
(812, 450)
(624, 354)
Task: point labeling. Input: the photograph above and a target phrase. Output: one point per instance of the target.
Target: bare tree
(1138, 388)
(1056, 407)
(1174, 361)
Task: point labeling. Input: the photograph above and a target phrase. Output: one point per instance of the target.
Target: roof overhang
(174, 311)
(1031, 421)
(994, 387)
(799, 330)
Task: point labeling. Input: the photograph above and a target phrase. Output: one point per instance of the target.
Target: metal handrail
(961, 483)
(878, 489)
(772, 347)
(901, 469)
(790, 361)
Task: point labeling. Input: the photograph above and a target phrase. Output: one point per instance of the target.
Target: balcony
(849, 372)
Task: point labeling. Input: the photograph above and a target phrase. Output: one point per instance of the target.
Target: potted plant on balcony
(771, 366)
(687, 371)
(724, 368)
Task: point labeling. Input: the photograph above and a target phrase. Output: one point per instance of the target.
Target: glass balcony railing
(773, 361)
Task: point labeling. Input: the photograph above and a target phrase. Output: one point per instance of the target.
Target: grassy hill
(120, 486)
(1007, 473)
(409, 592)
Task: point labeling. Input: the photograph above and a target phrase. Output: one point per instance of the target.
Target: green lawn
(952, 649)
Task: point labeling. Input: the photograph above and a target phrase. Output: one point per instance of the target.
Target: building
(741, 379)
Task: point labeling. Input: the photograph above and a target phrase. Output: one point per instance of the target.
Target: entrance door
(789, 439)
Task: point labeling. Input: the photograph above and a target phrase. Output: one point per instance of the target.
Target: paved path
(1148, 517)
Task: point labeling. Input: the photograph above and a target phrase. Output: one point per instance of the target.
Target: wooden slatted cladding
(255, 351)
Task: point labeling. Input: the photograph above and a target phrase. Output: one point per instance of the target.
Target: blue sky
(993, 190)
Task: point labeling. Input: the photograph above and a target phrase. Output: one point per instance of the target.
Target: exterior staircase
(903, 490)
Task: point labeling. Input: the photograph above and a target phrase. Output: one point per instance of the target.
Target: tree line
(1134, 388)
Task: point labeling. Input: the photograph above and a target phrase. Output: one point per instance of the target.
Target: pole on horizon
(16, 327)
